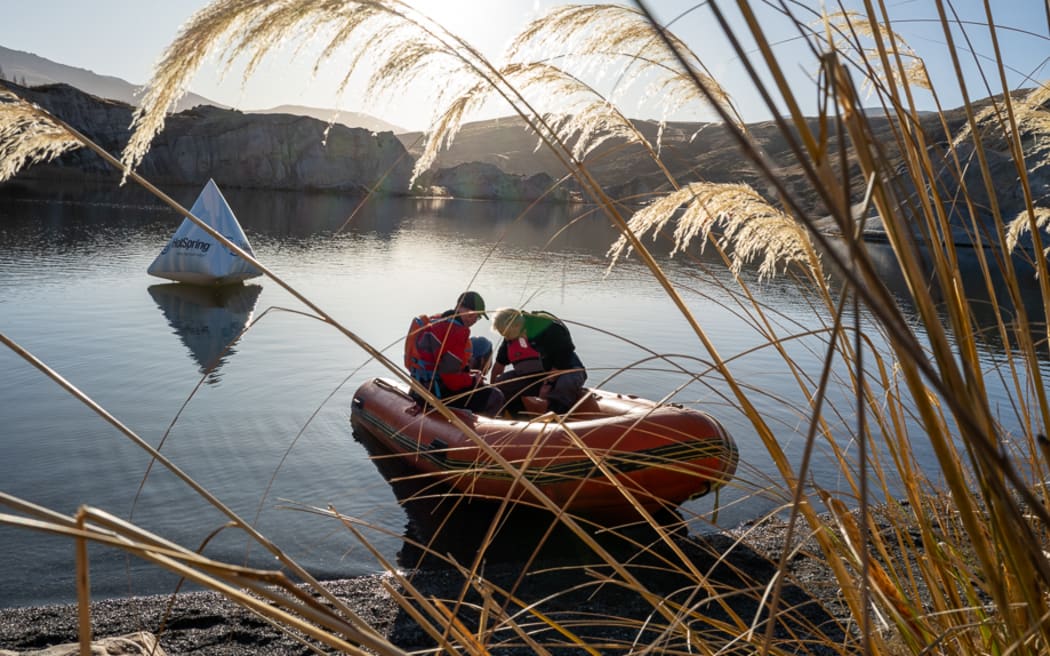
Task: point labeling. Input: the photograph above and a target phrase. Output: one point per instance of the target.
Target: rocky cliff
(273, 151)
(269, 151)
(492, 160)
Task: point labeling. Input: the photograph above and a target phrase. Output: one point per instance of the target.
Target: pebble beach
(191, 623)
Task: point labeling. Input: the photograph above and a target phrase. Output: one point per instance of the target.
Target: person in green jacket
(560, 384)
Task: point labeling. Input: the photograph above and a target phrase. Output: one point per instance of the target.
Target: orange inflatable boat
(587, 461)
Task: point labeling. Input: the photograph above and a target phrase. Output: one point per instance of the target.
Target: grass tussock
(942, 558)
(26, 137)
(749, 227)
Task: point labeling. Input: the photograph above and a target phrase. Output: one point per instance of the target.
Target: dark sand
(205, 623)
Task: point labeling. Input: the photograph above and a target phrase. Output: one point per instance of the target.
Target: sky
(125, 38)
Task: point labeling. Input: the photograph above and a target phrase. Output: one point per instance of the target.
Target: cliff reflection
(307, 216)
(208, 320)
(989, 294)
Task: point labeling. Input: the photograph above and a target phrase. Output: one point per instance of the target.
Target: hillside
(261, 151)
(349, 119)
(690, 151)
(35, 71)
(32, 70)
(707, 152)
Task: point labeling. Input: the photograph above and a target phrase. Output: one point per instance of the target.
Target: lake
(267, 430)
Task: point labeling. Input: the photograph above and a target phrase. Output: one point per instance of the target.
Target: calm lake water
(267, 430)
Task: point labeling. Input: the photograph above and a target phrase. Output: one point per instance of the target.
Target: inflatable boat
(593, 461)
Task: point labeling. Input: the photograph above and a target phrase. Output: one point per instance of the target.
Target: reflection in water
(208, 320)
(275, 221)
(989, 295)
(307, 216)
(443, 523)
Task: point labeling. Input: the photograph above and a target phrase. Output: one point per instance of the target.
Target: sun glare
(483, 25)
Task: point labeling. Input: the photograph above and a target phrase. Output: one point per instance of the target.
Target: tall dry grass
(949, 561)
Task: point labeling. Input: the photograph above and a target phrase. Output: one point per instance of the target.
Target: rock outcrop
(277, 151)
(265, 151)
(272, 151)
(487, 182)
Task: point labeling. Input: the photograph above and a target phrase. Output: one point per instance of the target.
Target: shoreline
(204, 622)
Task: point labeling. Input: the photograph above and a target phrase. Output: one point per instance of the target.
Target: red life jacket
(523, 357)
(418, 354)
(520, 349)
(432, 355)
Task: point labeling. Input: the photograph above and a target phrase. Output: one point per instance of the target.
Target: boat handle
(382, 382)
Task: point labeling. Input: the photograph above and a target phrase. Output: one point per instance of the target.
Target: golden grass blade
(461, 631)
(887, 591)
(83, 590)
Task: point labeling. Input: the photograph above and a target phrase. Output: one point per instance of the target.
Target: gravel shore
(205, 623)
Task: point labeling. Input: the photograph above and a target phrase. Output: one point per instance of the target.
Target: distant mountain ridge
(36, 70)
(33, 70)
(349, 119)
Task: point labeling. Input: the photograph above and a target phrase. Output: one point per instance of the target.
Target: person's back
(441, 355)
(434, 353)
(550, 336)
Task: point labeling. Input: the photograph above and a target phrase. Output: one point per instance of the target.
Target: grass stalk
(83, 591)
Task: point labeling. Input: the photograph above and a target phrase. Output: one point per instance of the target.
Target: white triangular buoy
(194, 256)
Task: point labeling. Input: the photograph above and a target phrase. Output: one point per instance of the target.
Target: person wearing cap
(471, 306)
(442, 355)
(560, 382)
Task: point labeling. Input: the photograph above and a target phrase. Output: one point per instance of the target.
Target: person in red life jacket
(442, 356)
(558, 378)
